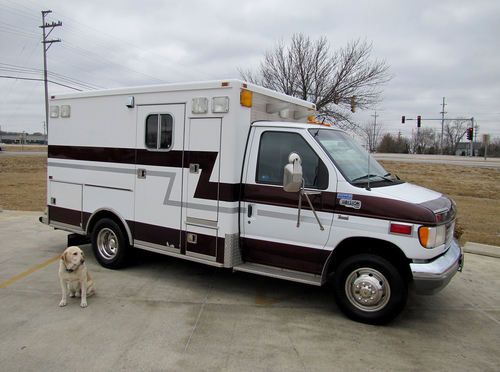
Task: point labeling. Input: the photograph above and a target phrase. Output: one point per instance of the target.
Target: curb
(482, 249)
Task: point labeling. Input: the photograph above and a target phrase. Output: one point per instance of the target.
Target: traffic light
(419, 121)
(402, 119)
(470, 133)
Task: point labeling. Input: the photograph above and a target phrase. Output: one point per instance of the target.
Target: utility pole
(46, 46)
(442, 123)
(374, 129)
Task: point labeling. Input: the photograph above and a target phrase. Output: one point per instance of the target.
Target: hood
(406, 192)
(403, 202)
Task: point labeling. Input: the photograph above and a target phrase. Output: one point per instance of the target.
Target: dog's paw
(83, 304)
(62, 303)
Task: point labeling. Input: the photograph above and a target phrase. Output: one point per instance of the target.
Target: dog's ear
(64, 256)
(83, 254)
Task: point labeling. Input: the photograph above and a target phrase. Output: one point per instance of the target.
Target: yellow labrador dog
(74, 276)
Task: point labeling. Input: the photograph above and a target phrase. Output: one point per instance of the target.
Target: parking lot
(162, 313)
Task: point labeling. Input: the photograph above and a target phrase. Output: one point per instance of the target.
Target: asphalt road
(442, 159)
(166, 314)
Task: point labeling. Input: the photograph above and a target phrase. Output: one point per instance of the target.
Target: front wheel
(109, 244)
(369, 289)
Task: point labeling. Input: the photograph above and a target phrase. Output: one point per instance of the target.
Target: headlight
(432, 237)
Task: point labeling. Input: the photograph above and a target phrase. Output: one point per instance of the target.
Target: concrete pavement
(167, 314)
(482, 249)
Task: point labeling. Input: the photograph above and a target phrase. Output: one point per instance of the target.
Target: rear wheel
(109, 243)
(370, 289)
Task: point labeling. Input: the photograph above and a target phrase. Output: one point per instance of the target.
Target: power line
(37, 79)
(29, 70)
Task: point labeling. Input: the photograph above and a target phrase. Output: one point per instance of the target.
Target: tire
(369, 289)
(110, 246)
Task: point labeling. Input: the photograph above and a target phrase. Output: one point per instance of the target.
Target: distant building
(26, 138)
(463, 148)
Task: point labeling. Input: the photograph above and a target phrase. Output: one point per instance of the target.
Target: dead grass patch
(475, 190)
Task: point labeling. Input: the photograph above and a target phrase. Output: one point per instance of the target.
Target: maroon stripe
(64, 215)
(156, 234)
(275, 195)
(164, 159)
(371, 207)
(205, 189)
(103, 154)
(389, 209)
(292, 257)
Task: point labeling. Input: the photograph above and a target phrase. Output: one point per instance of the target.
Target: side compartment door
(201, 186)
(270, 235)
(158, 187)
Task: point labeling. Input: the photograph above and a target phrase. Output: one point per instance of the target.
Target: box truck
(233, 175)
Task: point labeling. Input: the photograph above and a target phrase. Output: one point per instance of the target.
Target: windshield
(350, 158)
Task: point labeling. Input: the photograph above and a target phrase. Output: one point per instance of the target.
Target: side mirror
(292, 175)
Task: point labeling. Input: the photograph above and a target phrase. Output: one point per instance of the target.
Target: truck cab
(369, 233)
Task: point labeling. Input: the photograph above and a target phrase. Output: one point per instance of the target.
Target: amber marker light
(246, 97)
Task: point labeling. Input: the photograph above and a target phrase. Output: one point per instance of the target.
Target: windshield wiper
(368, 176)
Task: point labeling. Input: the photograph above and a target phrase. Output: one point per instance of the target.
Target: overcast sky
(434, 49)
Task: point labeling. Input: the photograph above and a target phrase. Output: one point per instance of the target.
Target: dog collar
(69, 270)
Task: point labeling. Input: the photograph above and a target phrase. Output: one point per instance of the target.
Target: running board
(276, 272)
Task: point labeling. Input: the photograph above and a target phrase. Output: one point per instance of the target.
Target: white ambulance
(232, 175)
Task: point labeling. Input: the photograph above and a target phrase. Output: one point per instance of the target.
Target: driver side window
(274, 149)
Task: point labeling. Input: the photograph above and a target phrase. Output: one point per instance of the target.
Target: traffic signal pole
(419, 119)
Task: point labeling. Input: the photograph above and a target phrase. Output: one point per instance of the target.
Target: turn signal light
(431, 237)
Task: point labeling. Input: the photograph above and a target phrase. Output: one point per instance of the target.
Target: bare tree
(372, 135)
(309, 70)
(424, 141)
(454, 131)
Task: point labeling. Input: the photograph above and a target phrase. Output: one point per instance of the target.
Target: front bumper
(431, 277)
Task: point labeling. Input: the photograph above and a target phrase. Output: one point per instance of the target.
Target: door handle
(194, 168)
(141, 173)
(249, 210)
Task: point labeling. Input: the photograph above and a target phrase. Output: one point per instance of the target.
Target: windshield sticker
(356, 204)
(344, 196)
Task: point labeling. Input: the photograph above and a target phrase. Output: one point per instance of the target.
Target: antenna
(368, 184)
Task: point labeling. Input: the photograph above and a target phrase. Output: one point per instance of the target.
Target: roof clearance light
(200, 105)
(65, 111)
(246, 97)
(220, 104)
(54, 112)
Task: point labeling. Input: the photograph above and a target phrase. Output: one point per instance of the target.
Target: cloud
(434, 49)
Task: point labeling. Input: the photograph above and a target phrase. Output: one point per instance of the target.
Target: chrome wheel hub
(367, 289)
(107, 243)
